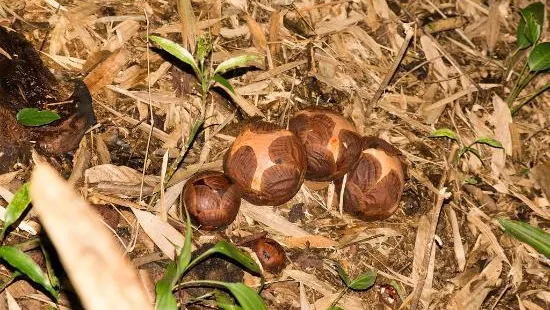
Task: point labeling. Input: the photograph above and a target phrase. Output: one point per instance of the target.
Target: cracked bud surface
(375, 185)
(331, 142)
(271, 254)
(212, 199)
(267, 162)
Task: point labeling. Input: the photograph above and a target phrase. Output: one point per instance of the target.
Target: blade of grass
(229, 250)
(177, 51)
(165, 299)
(533, 236)
(237, 62)
(24, 263)
(247, 298)
(16, 208)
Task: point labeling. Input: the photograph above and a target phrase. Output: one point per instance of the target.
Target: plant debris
(459, 88)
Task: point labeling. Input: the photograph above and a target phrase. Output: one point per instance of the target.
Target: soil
(443, 248)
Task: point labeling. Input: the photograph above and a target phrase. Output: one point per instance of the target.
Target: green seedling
(33, 117)
(361, 283)
(533, 236)
(247, 298)
(448, 133)
(538, 59)
(23, 263)
(207, 76)
(17, 206)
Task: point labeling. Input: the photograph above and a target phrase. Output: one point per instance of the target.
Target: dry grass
(443, 248)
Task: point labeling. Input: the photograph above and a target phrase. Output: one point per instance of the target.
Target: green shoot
(207, 78)
(361, 283)
(448, 133)
(533, 236)
(16, 208)
(246, 297)
(25, 265)
(538, 60)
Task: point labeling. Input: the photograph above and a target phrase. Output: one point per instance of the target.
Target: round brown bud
(271, 254)
(375, 185)
(212, 199)
(267, 162)
(331, 142)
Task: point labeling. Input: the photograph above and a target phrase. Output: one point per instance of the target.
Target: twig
(423, 270)
(452, 61)
(529, 98)
(391, 72)
(151, 120)
(443, 51)
(458, 31)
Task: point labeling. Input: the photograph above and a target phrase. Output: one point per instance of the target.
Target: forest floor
(443, 248)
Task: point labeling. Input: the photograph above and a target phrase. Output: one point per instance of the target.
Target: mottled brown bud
(375, 185)
(267, 162)
(212, 199)
(331, 142)
(271, 254)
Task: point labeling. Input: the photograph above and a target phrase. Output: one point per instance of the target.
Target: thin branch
(423, 270)
(151, 120)
(391, 72)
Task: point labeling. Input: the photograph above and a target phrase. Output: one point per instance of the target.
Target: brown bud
(267, 162)
(331, 142)
(212, 199)
(375, 185)
(271, 254)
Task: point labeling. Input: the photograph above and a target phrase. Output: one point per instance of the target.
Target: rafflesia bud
(375, 185)
(271, 254)
(331, 142)
(212, 199)
(267, 162)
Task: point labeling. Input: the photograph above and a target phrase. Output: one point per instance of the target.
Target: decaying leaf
(119, 180)
(104, 73)
(473, 294)
(99, 272)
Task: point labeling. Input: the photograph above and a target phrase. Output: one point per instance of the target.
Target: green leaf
(363, 281)
(466, 149)
(165, 300)
(231, 251)
(539, 57)
(462, 151)
(224, 302)
(402, 294)
(488, 141)
(236, 62)
(16, 207)
(533, 236)
(335, 308)
(185, 255)
(224, 82)
(246, 297)
(49, 268)
(533, 15)
(444, 132)
(343, 274)
(177, 51)
(24, 263)
(521, 38)
(34, 117)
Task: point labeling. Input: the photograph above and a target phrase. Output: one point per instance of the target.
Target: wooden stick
(423, 270)
(391, 73)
